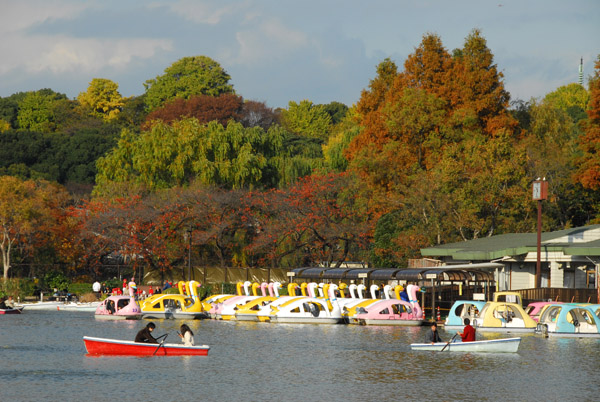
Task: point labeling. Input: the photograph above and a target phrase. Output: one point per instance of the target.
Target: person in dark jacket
(145, 334)
(432, 335)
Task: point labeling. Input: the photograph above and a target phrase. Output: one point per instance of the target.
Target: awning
(335, 273)
(298, 271)
(312, 273)
(383, 274)
(353, 273)
(411, 274)
(447, 274)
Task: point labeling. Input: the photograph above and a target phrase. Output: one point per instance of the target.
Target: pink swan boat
(118, 308)
(388, 312)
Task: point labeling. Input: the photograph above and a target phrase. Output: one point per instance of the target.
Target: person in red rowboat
(186, 335)
(468, 334)
(145, 334)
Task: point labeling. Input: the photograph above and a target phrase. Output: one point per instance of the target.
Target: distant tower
(581, 72)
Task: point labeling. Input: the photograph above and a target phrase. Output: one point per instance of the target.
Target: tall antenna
(581, 72)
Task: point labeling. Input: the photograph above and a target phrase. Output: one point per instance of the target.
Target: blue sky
(278, 51)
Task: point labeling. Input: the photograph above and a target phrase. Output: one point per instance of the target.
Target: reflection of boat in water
(118, 308)
(115, 347)
(460, 310)
(387, 312)
(507, 345)
(504, 317)
(172, 306)
(570, 320)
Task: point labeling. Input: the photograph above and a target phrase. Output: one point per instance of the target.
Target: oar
(449, 342)
(161, 342)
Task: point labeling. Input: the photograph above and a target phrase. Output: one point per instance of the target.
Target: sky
(277, 51)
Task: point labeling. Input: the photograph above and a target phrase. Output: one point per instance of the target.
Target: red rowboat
(115, 347)
(16, 310)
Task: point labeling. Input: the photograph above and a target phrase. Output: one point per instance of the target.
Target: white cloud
(20, 15)
(268, 41)
(203, 12)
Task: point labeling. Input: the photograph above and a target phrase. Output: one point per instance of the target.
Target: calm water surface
(42, 355)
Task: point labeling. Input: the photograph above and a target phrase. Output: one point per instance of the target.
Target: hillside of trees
(434, 151)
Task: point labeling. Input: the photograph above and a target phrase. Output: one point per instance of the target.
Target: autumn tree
(588, 173)
(204, 108)
(198, 75)
(28, 211)
(102, 99)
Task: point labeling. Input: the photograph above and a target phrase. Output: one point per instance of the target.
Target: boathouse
(570, 262)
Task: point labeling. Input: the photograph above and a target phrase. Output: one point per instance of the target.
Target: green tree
(572, 99)
(102, 99)
(306, 119)
(198, 75)
(38, 111)
(175, 155)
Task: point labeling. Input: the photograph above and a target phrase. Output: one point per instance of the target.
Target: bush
(80, 288)
(58, 280)
(88, 297)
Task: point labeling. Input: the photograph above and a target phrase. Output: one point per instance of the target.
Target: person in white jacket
(186, 335)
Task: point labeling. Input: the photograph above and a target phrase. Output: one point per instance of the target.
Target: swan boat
(506, 345)
(460, 310)
(123, 308)
(306, 310)
(172, 306)
(387, 312)
(503, 317)
(569, 320)
(115, 347)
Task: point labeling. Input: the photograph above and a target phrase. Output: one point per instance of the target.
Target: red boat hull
(11, 310)
(115, 347)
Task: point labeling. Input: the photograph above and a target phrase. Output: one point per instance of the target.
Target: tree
(175, 155)
(572, 99)
(28, 210)
(306, 119)
(588, 173)
(38, 111)
(198, 75)
(204, 108)
(102, 99)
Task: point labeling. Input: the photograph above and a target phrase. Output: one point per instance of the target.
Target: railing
(559, 294)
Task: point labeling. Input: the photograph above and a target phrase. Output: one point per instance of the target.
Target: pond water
(42, 356)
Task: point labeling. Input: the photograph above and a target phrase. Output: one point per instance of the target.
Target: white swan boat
(505, 345)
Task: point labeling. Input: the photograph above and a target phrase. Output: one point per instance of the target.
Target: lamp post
(539, 192)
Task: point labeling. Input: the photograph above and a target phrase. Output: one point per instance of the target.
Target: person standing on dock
(468, 334)
(432, 336)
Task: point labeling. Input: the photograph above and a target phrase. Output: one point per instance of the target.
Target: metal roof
(383, 274)
(353, 273)
(312, 273)
(335, 273)
(410, 274)
(577, 241)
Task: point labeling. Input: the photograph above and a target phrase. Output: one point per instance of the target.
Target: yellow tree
(102, 99)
